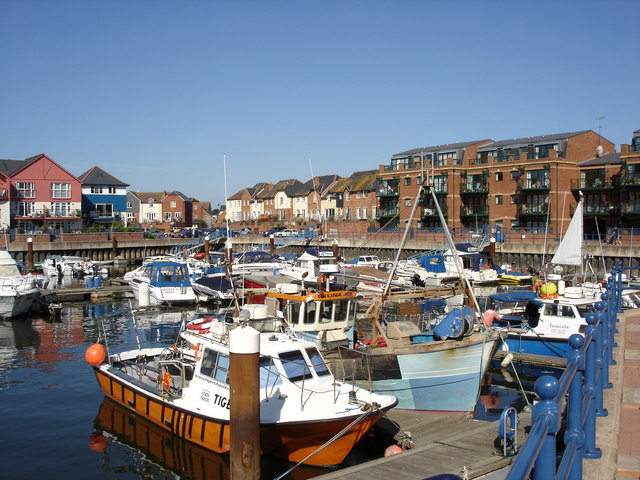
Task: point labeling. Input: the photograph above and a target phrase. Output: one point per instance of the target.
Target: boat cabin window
(295, 365)
(215, 365)
(557, 310)
(318, 362)
(586, 308)
(310, 316)
(269, 375)
(293, 312)
(327, 308)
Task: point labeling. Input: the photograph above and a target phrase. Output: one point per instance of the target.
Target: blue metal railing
(585, 378)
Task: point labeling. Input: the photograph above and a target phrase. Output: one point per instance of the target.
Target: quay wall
(526, 252)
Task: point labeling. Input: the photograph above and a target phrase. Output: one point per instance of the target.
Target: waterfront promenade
(618, 432)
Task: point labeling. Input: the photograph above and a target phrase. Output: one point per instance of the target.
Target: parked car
(287, 232)
(244, 231)
(272, 231)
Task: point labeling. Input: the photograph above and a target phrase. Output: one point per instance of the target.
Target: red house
(41, 194)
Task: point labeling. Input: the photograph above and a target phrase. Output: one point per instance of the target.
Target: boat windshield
(295, 365)
(318, 362)
(269, 375)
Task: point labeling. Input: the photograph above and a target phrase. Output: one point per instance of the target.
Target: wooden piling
(244, 383)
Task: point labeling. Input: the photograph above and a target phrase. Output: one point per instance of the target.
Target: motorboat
(163, 282)
(539, 323)
(306, 415)
(17, 292)
(214, 287)
(60, 265)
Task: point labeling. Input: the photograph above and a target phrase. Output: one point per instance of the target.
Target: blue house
(104, 197)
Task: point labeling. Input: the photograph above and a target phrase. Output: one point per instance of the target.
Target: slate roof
(9, 167)
(606, 159)
(97, 176)
(145, 196)
(524, 141)
(438, 148)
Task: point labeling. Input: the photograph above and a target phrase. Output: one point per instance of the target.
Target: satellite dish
(599, 151)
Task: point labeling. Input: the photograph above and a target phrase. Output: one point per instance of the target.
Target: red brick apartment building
(520, 183)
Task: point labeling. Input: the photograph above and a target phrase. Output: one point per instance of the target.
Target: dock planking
(453, 444)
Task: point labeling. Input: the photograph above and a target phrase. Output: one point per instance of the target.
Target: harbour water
(57, 422)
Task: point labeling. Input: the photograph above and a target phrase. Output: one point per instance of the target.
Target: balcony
(630, 180)
(387, 212)
(630, 208)
(433, 211)
(475, 187)
(534, 184)
(474, 211)
(46, 214)
(600, 209)
(533, 209)
(438, 189)
(388, 192)
(599, 183)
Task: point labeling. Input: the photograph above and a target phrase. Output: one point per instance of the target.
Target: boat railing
(582, 383)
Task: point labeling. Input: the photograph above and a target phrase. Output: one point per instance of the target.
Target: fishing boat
(306, 415)
(17, 292)
(325, 318)
(163, 282)
(430, 367)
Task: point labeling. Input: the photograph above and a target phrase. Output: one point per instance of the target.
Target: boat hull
(438, 376)
(537, 346)
(13, 305)
(292, 441)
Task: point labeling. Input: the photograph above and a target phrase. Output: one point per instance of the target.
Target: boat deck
(441, 444)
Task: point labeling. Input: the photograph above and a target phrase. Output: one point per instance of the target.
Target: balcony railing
(387, 192)
(473, 211)
(537, 209)
(475, 187)
(534, 184)
(630, 208)
(46, 213)
(592, 183)
(433, 211)
(630, 180)
(601, 209)
(387, 212)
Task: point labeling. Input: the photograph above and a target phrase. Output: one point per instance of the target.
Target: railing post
(618, 279)
(574, 406)
(599, 370)
(590, 449)
(547, 388)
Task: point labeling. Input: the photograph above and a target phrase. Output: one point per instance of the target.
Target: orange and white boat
(306, 415)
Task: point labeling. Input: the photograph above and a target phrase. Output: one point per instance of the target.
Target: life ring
(201, 325)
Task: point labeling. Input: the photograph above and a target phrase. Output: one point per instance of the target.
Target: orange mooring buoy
(95, 354)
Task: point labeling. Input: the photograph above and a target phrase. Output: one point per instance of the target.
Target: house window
(364, 212)
(498, 199)
(26, 209)
(167, 216)
(96, 189)
(498, 176)
(407, 202)
(104, 210)
(407, 181)
(365, 194)
(111, 190)
(358, 217)
(129, 205)
(419, 180)
(515, 175)
(25, 189)
(60, 209)
(172, 204)
(347, 196)
(60, 190)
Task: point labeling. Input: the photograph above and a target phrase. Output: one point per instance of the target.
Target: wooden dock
(76, 294)
(457, 445)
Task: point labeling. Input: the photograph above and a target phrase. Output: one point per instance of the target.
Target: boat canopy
(515, 296)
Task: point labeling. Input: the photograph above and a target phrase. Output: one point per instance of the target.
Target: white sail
(570, 249)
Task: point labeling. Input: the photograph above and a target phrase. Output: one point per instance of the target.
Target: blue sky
(157, 92)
